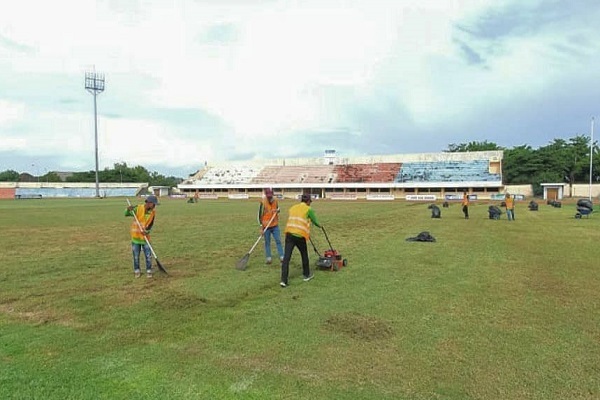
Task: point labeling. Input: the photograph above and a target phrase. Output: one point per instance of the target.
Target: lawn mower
(331, 258)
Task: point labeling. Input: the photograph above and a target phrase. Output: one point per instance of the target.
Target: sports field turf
(491, 310)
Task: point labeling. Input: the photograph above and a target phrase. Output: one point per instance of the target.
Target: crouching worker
(297, 232)
(145, 214)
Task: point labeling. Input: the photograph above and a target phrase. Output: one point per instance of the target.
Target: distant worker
(145, 214)
(297, 232)
(268, 218)
(465, 205)
(510, 207)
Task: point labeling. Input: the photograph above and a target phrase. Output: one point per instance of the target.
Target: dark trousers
(466, 211)
(292, 241)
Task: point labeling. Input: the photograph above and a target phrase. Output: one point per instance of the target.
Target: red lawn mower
(331, 259)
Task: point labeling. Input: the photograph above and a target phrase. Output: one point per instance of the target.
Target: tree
(520, 164)
(9, 176)
(472, 146)
(50, 177)
(569, 158)
(123, 173)
(89, 176)
(595, 163)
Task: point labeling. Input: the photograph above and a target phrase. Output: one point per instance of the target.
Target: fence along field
(491, 310)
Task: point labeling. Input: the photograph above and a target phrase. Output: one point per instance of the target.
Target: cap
(268, 192)
(305, 198)
(152, 199)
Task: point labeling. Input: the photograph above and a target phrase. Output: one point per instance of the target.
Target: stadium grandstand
(434, 175)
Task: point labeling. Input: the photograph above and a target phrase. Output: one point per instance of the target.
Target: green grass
(492, 310)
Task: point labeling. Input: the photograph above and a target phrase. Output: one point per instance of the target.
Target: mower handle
(314, 247)
(326, 237)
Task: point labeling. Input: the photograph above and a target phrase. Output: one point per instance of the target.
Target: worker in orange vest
(465, 205)
(268, 218)
(510, 207)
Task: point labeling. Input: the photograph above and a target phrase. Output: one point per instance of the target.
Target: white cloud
(146, 142)
(267, 70)
(10, 112)
(32, 138)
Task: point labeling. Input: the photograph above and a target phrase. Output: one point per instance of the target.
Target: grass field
(492, 310)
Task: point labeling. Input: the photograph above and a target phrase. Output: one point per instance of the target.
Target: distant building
(63, 175)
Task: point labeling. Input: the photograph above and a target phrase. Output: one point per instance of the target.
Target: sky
(189, 82)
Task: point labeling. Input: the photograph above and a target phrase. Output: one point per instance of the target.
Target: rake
(243, 262)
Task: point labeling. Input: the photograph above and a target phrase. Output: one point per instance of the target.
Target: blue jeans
(510, 214)
(277, 236)
(135, 248)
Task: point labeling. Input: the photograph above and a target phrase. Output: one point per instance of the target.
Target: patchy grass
(361, 327)
(492, 309)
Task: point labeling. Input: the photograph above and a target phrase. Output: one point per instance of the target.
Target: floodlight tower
(94, 83)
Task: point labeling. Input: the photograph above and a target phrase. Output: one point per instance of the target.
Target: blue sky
(189, 81)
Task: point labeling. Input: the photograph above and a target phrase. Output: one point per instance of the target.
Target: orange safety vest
(510, 203)
(267, 212)
(465, 200)
(298, 222)
(145, 220)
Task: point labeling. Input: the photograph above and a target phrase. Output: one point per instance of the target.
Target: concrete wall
(7, 193)
(68, 189)
(583, 190)
(579, 190)
(525, 190)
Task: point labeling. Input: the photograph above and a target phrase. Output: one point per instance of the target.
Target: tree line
(120, 172)
(564, 161)
(561, 160)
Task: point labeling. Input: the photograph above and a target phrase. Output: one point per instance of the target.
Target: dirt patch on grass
(179, 301)
(547, 284)
(362, 327)
(39, 316)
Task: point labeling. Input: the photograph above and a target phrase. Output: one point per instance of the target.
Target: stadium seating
(428, 168)
(195, 177)
(296, 174)
(446, 171)
(229, 175)
(367, 173)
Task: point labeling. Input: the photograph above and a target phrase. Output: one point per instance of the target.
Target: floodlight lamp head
(94, 82)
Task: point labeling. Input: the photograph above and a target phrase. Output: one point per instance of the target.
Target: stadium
(213, 125)
(491, 310)
(424, 176)
(412, 177)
